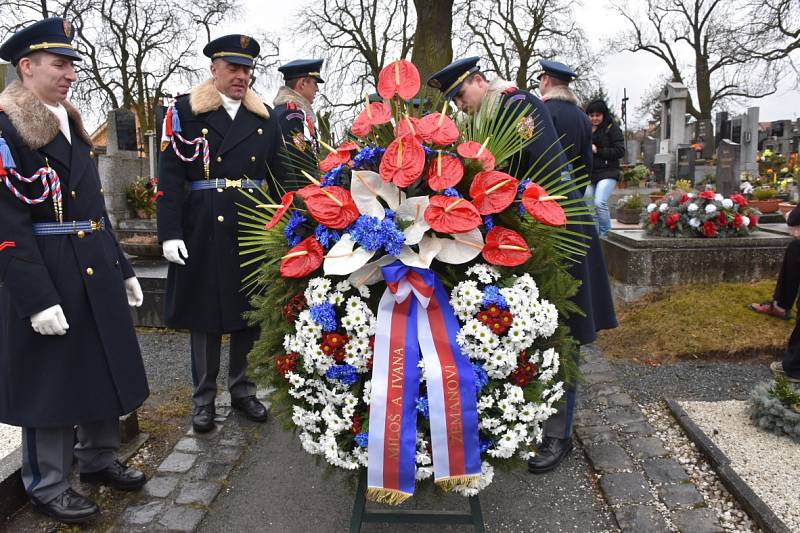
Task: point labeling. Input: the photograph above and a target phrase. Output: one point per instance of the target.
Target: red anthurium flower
(303, 259)
(444, 171)
(347, 146)
(403, 161)
(739, 199)
(505, 247)
(475, 150)
(707, 195)
(374, 114)
(400, 77)
(437, 128)
(361, 126)
(332, 206)
(448, 214)
(542, 207)
(408, 126)
(492, 191)
(286, 203)
(334, 159)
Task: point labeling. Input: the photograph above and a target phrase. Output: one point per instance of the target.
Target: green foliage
(765, 193)
(785, 393)
(631, 201)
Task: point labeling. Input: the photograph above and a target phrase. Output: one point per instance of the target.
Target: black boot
(251, 408)
(68, 507)
(203, 418)
(551, 452)
(117, 476)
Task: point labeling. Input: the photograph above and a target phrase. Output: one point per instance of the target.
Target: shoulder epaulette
(510, 90)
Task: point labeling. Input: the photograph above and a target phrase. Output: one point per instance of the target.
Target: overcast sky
(634, 72)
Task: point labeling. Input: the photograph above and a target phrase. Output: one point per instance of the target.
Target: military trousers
(47, 455)
(206, 350)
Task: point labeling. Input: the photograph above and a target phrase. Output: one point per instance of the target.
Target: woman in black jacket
(608, 147)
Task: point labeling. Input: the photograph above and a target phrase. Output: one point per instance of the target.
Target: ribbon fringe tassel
(449, 483)
(387, 496)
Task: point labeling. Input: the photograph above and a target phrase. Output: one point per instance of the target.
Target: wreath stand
(411, 516)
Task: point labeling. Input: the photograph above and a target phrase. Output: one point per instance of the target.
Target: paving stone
(209, 470)
(642, 429)
(234, 441)
(696, 521)
(600, 377)
(603, 389)
(680, 495)
(620, 416)
(619, 399)
(592, 367)
(625, 488)
(200, 492)
(665, 471)
(640, 518)
(161, 486)
(595, 434)
(647, 447)
(210, 435)
(608, 457)
(191, 445)
(182, 518)
(141, 514)
(177, 462)
(586, 417)
(226, 454)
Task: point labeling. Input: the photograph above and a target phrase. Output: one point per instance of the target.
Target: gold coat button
(90, 271)
(204, 131)
(91, 153)
(260, 131)
(101, 190)
(81, 234)
(219, 159)
(219, 189)
(73, 194)
(253, 158)
(221, 218)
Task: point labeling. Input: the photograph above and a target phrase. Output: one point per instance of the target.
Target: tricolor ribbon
(171, 130)
(415, 315)
(51, 183)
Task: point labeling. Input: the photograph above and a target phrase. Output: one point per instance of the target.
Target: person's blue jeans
(601, 192)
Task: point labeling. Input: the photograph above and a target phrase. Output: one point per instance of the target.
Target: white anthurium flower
(462, 248)
(413, 209)
(367, 186)
(429, 246)
(344, 258)
(370, 273)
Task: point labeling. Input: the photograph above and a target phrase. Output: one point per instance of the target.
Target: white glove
(51, 321)
(175, 251)
(134, 292)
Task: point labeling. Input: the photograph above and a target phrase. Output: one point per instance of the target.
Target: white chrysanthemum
(694, 222)
(486, 274)
(364, 291)
(711, 208)
(745, 221)
(651, 208)
(692, 208)
(663, 207)
(727, 203)
(343, 286)
(718, 197)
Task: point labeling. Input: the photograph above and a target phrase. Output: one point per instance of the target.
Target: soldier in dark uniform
(463, 82)
(297, 119)
(217, 139)
(68, 349)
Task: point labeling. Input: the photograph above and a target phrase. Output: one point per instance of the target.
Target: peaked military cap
(302, 68)
(237, 49)
(52, 35)
(450, 78)
(557, 70)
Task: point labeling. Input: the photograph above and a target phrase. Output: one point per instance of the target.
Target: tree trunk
(433, 39)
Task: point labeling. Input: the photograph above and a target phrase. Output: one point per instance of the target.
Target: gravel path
(768, 463)
(691, 380)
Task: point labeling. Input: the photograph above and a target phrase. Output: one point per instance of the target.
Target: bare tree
(697, 41)
(773, 31)
(512, 35)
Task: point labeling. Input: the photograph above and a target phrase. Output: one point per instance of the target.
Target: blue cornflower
(481, 377)
(346, 374)
(332, 176)
(369, 156)
(492, 296)
(324, 315)
(362, 439)
(523, 185)
(485, 444)
(373, 234)
(422, 406)
(389, 213)
(295, 220)
(488, 222)
(393, 238)
(327, 237)
(452, 192)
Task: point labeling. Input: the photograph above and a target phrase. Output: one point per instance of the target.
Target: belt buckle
(96, 226)
(235, 184)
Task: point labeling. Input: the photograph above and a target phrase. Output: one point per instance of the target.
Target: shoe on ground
(251, 408)
(769, 309)
(778, 371)
(117, 476)
(69, 507)
(551, 453)
(203, 418)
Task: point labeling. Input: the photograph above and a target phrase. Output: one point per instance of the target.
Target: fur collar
(562, 93)
(36, 124)
(205, 97)
(288, 95)
(496, 89)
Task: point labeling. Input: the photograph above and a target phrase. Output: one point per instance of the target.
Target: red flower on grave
(444, 171)
(332, 206)
(737, 221)
(542, 206)
(707, 195)
(355, 429)
(400, 77)
(286, 363)
(492, 191)
(525, 372)
(292, 309)
(685, 198)
(449, 214)
(303, 259)
(403, 161)
(672, 221)
(654, 218)
(753, 220)
(722, 219)
(709, 229)
(286, 203)
(475, 150)
(739, 199)
(438, 129)
(505, 247)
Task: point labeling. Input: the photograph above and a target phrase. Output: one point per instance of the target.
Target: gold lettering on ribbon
(393, 438)
(453, 407)
(397, 368)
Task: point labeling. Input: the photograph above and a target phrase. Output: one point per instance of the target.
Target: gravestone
(673, 124)
(749, 142)
(120, 165)
(685, 168)
(633, 154)
(7, 75)
(649, 151)
(723, 128)
(705, 136)
(727, 168)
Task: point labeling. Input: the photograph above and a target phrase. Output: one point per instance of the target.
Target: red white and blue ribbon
(171, 130)
(415, 317)
(51, 183)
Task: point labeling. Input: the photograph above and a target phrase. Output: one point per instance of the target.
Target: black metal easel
(411, 516)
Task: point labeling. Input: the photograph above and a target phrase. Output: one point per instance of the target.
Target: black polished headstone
(723, 128)
(727, 181)
(685, 170)
(649, 151)
(705, 136)
(126, 130)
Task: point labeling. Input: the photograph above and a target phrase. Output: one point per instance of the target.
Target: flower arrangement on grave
(776, 408)
(706, 214)
(412, 295)
(141, 195)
